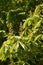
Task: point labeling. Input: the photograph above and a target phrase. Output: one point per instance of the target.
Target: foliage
(15, 11)
(26, 49)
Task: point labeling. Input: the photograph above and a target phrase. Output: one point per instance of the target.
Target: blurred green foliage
(15, 11)
(26, 49)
